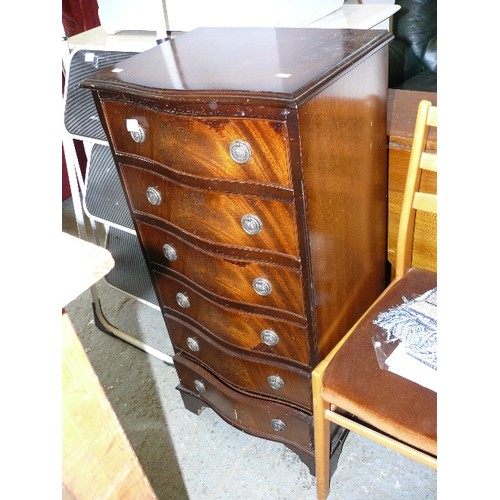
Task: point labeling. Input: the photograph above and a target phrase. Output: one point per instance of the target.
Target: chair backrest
(413, 198)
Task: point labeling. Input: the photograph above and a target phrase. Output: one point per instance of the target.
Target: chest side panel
(344, 156)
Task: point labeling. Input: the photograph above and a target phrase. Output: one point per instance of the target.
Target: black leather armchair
(413, 52)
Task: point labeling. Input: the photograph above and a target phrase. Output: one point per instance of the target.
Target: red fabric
(66, 191)
(77, 16)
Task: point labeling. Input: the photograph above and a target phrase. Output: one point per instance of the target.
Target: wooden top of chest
(283, 64)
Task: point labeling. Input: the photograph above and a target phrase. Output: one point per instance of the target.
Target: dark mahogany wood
(201, 302)
(237, 328)
(219, 67)
(311, 105)
(200, 147)
(235, 275)
(245, 412)
(344, 172)
(213, 215)
(246, 374)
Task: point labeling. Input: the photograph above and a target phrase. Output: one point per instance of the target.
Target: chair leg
(321, 441)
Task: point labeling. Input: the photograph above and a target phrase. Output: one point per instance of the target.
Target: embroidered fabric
(414, 323)
(408, 343)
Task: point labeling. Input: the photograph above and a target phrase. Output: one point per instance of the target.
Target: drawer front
(213, 216)
(266, 419)
(245, 330)
(252, 332)
(225, 276)
(242, 372)
(202, 146)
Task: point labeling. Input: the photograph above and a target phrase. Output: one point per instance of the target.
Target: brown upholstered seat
(389, 402)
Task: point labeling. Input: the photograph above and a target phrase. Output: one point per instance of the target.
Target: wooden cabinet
(255, 165)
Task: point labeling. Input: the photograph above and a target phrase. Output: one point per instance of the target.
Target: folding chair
(102, 198)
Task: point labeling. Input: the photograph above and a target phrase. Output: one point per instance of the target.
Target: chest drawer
(255, 334)
(212, 313)
(204, 146)
(248, 374)
(269, 420)
(213, 216)
(252, 332)
(222, 275)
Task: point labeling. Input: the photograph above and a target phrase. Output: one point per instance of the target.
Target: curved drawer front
(244, 373)
(266, 419)
(254, 332)
(223, 275)
(202, 146)
(210, 215)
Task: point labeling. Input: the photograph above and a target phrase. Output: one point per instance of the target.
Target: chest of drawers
(254, 162)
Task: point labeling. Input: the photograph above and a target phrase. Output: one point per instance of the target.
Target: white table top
(82, 264)
(357, 16)
(123, 41)
(353, 16)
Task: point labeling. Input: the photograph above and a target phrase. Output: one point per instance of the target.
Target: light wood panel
(97, 459)
(402, 108)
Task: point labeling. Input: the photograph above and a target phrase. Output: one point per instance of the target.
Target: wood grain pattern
(342, 133)
(241, 330)
(312, 105)
(200, 146)
(203, 303)
(214, 216)
(97, 459)
(249, 375)
(249, 414)
(234, 275)
(402, 113)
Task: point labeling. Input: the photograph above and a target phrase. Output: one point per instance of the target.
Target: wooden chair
(349, 387)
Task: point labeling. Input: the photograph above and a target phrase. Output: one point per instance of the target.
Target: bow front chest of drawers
(254, 162)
